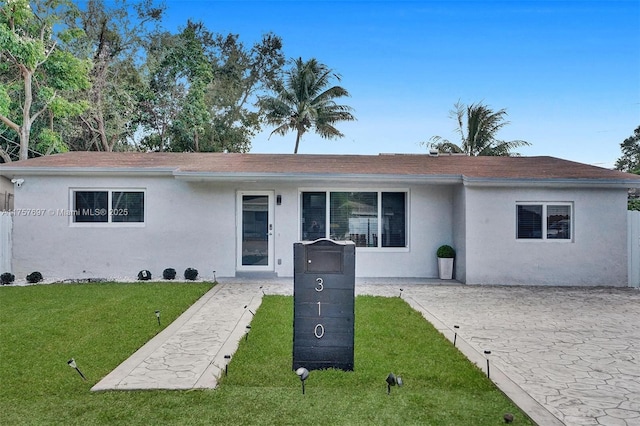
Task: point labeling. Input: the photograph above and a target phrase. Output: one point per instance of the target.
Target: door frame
(269, 267)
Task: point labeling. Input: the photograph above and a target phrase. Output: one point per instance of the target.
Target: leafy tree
(115, 35)
(201, 88)
(478, 126)
(37, 75)
(630, 160)
(304, 101)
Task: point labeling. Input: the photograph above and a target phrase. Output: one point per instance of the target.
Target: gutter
(548, 183)
(11, 172)
(314, 177)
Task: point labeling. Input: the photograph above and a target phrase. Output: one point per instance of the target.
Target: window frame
(544, 223)
(109, 223)
(380, 215)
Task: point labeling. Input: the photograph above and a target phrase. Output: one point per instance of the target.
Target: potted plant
(445, 254)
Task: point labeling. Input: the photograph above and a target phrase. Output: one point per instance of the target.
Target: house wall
(189, 224)
(459, 232)
(597, 255)
(430, 225)
(6, 194)
(185, 227)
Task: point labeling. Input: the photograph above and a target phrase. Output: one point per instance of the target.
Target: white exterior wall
(597, 255)
(429, 226)
(189, 224)
(459, 232)
(182, 229)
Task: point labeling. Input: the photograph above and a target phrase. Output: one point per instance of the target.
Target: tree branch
(9, 123)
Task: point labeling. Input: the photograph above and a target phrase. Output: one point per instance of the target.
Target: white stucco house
(518, 220)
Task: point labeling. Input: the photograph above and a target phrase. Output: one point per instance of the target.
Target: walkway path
(565, 355)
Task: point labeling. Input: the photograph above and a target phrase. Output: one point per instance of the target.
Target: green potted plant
(445, 254)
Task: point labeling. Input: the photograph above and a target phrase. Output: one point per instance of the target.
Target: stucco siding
(184, 227)
(459, 232)
(596, 255)
(194, 224)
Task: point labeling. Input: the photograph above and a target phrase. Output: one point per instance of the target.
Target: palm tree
(303, 102)
(478, 132)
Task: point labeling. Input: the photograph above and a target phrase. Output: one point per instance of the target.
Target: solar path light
(303, 373)
(226, 366)
(486, 354)
(72, 364)
(158, 316)
(455, 334)
(393, 380)
(246, 336)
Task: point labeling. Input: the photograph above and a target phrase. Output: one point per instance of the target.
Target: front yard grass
(42, 327)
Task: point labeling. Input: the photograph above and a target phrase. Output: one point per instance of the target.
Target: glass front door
(255, 239)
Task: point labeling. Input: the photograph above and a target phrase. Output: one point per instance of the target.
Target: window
(369, 219)
(108, 206)
(544, 221)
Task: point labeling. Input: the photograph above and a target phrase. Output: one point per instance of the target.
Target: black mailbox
(323, 304)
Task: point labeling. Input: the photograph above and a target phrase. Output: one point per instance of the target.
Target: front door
(255, 231)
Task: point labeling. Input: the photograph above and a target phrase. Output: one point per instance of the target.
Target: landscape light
(246, 336)
(72, 364)
(393, 380)
(245, 306)
(158, 316)
(262, 291)
(486, 354)
(455, 334)
(214, 276)
(401, 290)
(226, 366)
(303, 373)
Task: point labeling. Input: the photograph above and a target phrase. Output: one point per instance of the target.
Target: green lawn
(41, 327)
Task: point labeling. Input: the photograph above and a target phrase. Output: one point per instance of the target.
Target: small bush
(169, 274)
(446, 251)
(7, 278)
(144, 275)
(190, 274)
(34, 277)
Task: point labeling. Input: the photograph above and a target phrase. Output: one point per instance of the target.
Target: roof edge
(85, 171)
(551, 182)
(226, 176)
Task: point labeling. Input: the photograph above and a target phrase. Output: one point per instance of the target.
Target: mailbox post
(323, 305)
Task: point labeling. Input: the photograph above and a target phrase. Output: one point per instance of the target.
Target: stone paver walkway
(565, 355)
(190, 352)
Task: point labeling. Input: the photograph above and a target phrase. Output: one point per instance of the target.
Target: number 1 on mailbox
(323, 304)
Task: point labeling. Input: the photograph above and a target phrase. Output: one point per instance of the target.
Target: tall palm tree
(304, 101)
(478, 132)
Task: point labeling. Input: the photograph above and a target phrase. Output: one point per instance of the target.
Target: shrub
(34, 277)
(190, 274)
(446, 251)
(144, 275)
(7, 278)
(169, 274)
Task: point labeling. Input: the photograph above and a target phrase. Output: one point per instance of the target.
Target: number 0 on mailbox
(323, 304)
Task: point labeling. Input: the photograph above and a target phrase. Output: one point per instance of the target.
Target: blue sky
(568, 72)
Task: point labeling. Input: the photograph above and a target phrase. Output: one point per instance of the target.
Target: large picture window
(108, 206)
(544, 221)
(369, 219)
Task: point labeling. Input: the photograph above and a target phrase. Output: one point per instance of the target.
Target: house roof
(203, 166)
